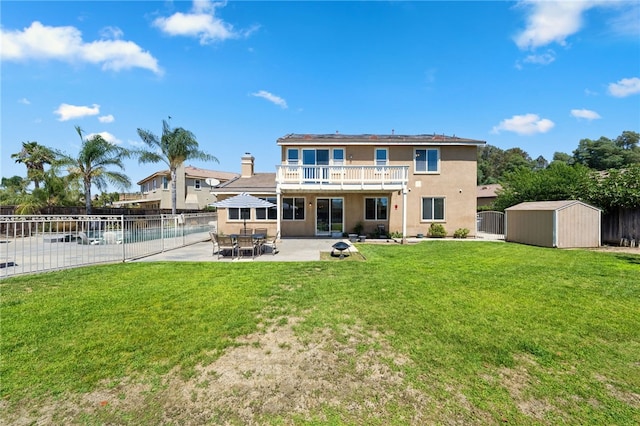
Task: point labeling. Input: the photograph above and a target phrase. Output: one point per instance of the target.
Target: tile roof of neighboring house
(259, 183)
(488, 191)
(195, 172)
(368, 139)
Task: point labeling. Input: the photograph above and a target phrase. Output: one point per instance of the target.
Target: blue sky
(238, 74)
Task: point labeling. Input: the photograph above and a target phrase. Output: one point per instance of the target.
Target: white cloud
(541, 59)
(69, 112)
(24, 101)
(551, 22)
(106, 119)
(106, 136)
(625, 87)
(585, 113)
(40, 42)
(527, 124)
(271, 98)
(201, 22)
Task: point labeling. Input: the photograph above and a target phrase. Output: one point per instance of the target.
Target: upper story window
(338, 156)
(382, 155)
(144, 188)
(165, 182)
(197, 184)
(427, 160)
(154, 184)
(293, 156)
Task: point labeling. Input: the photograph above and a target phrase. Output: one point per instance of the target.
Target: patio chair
(244, 231)
(226, 244)
(271, 242)
(382, 233)
(214, 241)
(246, 243)
(85, 240)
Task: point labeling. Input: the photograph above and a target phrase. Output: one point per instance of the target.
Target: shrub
(396, 234)
(436, 230)
(461, 233)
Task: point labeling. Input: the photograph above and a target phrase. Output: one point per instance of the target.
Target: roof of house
(368, 139)
(548, 205)
(195, 172)
(259, 183)
(488, 191)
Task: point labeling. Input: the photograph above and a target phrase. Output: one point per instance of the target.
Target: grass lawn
(440, 332)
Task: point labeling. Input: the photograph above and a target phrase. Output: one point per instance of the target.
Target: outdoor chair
(382, 233)
(85, 240)
(271, 242)
(247, 231)
(226, 244)
(214, 241)
(246, 243)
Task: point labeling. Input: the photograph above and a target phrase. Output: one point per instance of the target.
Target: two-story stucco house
(328, 184)
(193, 188)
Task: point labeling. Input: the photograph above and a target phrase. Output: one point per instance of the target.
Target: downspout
(278, 204)
(555, 230)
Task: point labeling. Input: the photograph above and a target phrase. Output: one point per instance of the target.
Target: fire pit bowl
(341, 246)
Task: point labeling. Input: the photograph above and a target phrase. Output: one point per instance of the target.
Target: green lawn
(470, 332)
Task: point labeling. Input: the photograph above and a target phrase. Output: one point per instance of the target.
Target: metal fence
(31, 244)
(491, 223)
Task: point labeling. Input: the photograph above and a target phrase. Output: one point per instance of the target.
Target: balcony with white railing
(343, 178)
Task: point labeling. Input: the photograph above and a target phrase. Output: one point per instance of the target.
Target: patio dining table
(258, 239)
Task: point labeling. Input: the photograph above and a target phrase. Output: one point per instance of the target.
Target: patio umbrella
(243, 201)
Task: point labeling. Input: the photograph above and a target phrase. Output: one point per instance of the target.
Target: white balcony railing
(342, 177)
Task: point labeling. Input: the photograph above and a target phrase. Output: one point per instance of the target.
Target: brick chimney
(247, 165)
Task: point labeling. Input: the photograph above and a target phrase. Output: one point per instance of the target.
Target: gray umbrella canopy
(243, 200)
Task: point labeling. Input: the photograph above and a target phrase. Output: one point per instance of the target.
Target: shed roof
(548, 205)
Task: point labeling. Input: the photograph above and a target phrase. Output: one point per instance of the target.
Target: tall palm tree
(91, 165)
(34, 156)
(173, 148)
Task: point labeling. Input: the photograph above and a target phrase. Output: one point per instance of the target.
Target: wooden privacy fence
(621, 226)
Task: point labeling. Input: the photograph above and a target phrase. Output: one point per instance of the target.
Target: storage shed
(562, 224)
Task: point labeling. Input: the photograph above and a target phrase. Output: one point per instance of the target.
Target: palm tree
(91, 165)
(34, 156)
(173, 148)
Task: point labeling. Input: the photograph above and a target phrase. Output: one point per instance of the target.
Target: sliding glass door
(329, 216)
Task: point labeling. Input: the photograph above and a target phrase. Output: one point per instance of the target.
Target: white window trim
(344, 155)
(444, 209)
(197, 184)
(266, 219)
(240, 219)
(386, 156)
(287, 159)
(293, 219)
(376, 218)
(426, 172)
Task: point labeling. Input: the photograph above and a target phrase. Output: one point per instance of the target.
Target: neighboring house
(193, 189)
(329, 184)
(487, 194)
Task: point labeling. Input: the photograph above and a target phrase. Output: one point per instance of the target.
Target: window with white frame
(197, 184)
(338, 156)
(165, 182)
(293, 156)
(154, 184)
(267, 213)
(427, 160)
(381, 156)
(293, 208)
(433, 208)
(239, 213)
(376, 208)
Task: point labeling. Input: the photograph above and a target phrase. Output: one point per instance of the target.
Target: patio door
(311, 159)
(329, 216)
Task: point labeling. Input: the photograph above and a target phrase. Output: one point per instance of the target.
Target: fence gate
(490, 223)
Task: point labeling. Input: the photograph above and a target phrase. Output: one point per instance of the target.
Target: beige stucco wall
(456, 182)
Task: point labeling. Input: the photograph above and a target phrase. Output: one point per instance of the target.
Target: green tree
(559, 181)
(562, 157)
(494, 162)
(34, 156)
(92, 164)
(605, 154)
(174, 147)
(616, 188)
